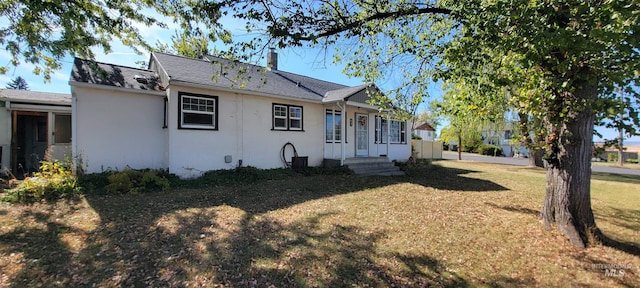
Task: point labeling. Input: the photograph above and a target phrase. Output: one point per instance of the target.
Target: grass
(452, 224)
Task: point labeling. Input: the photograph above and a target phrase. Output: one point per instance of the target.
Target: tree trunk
(567, 201)
(532, 157)
(459, 146)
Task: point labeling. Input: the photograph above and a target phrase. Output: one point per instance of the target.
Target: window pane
(196, 118)
(296, 124)
(338, 125)
(280, 123)
(63, 129)
(383, 128)
(295, 112)
(329, 126)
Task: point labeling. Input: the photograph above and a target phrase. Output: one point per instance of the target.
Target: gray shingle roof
(88, 71)
(35, 97)
(341, 94)
(217, 72)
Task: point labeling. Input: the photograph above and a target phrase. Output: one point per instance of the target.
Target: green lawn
(453, 224)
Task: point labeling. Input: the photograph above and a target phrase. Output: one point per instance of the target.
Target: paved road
(524, 162)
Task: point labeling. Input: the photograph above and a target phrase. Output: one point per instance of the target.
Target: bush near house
(491, 150)
(53, 181)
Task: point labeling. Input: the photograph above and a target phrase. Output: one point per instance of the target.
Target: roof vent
(141, 79)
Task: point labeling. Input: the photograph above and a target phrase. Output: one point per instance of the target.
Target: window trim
(333, 114)
(287, 118)
(402, 131)
(183, 126)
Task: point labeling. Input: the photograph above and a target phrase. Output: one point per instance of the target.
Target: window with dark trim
(197, 111)
(333, 126)
(397, 131)
(287, 117)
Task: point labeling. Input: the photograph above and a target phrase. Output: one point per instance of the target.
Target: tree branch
(377, 16)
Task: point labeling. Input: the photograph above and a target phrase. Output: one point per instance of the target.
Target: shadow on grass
(219, 235)
(442, 178)
(516, 209)
(632, 179)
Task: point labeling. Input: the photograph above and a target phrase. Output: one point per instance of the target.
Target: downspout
(388, 132)
(342, 131)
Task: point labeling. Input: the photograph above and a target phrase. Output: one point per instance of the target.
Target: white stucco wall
(244, 133)
(116, 129)
(5, 135)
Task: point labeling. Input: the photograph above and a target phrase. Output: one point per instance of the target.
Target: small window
(62, 128)
(197, 111)
(333, 126)
(287, 117)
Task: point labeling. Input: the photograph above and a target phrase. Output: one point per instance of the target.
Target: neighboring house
(503, 136)
(33, 126)
(194, 115)
(425, 131)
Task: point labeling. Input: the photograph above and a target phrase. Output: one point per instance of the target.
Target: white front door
(362, 135)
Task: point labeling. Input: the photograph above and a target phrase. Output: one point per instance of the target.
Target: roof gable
(425, 126)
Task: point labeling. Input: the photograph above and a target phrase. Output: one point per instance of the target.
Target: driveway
(524, 162)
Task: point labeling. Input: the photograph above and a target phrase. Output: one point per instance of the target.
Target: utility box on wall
(299, 162)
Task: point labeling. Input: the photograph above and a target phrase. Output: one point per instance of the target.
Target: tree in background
(18, 84)
(575, 52)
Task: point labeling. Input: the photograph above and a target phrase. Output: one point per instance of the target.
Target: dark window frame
(188, 126)
(287, 118)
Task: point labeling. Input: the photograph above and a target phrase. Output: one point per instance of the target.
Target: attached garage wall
(115, 130)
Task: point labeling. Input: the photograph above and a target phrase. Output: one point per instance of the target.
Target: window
(287, 117)
(397, 131)
(62, 128)
(333, 126)
(197, 111)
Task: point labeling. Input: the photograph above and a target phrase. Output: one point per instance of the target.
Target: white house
(33, 126)
(194, 115)
(425, 131)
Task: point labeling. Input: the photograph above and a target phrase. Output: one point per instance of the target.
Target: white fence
(427, 149)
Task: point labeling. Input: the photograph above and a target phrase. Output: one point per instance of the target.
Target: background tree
(42, 33)
(578, 51)
(18, 83)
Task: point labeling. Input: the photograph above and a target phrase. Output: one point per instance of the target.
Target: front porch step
(373, 166)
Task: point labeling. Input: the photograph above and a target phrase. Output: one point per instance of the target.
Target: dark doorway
(30, 141)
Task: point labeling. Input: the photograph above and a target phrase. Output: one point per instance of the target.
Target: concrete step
(379, 166)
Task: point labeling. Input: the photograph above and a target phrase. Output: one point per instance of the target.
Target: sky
(300, 60)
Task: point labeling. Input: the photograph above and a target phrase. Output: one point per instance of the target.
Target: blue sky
(304, 61)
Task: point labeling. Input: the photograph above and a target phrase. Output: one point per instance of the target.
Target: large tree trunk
(567, 201)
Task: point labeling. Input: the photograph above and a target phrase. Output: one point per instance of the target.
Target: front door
(362, 135)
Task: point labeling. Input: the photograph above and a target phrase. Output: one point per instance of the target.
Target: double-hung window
(287, 117)
(397, 131)
(333, 126)
(197, 111)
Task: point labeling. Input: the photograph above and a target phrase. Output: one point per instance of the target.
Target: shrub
(137, 181)
(491, 150)
(632, 161)
(612, 157)
(53, 181)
